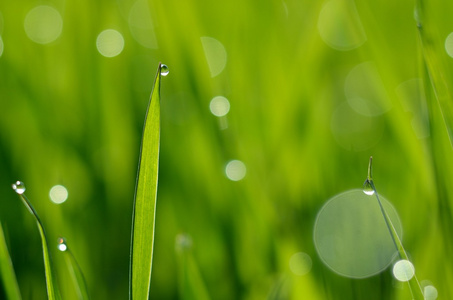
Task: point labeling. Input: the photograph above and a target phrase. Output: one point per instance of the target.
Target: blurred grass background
(298, 121)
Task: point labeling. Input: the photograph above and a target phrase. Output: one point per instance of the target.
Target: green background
(70, 116)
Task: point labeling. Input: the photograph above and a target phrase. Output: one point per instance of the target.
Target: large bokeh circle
(351, 236)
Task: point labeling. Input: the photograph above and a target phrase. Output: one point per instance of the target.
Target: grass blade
(437, 71)
(52, 290)
(414, 285)
(7, 271)
(191, 284)
(74, 269)
(144, 210)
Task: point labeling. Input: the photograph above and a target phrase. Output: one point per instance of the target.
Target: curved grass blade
(74, 269)
(144, 210)
(52, 289)
(7, 271)
(414, 285)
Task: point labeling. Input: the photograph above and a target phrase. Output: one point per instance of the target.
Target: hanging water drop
(164, 70)
(18, 187)
(368, 188)
(62, 244)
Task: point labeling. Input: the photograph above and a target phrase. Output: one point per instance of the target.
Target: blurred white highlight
(403, 270)
(219, 106)
(110, 43)
(58, 194)
(235, 170)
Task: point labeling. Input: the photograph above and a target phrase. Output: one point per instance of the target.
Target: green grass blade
(144, 211)
(414, 285)
(52, 289)
(74, 270)
(7, 271)
(437, 68)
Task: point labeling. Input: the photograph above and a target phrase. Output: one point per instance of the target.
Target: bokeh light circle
(339, 25)
(235, 170)
(430, 292)
(1, 46)
(43, 24)
(300, 263)
(449, 45)
(58, 194)
(351, 236)
(219, 106)
(110, 43)
(215, 53)
(403, 270)
(365, 90)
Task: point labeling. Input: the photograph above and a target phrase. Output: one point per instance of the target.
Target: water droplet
(62, 244)
(18, 187)
(164, 70)
(368, 188)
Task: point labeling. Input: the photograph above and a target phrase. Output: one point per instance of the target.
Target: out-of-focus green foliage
(314, 87)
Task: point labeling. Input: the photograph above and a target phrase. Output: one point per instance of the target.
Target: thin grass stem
(414, 285)
(51, 284)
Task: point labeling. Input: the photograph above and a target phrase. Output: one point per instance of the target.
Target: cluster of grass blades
(143, 220)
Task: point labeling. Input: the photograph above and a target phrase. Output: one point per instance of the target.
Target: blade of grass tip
(414, 285)
(52, 290)
(191, 284)
(437, 72)
(144, 209)
(7, 271)
(74, 270)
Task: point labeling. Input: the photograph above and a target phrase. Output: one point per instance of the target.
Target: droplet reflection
(18, 187)
(235, 170)
(62, 246)
(164, 70)
(58, 194)
(110, 43)
(43, 24)
(368, 188)
(403, 270)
